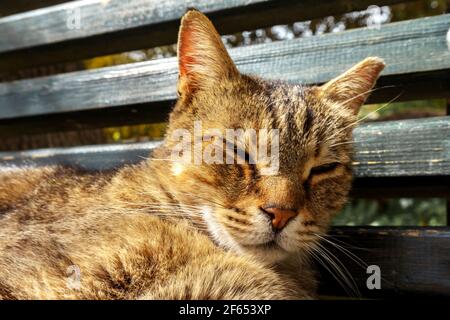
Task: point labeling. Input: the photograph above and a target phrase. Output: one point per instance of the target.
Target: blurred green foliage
(393, 212)
(137, 133)
(403, 110)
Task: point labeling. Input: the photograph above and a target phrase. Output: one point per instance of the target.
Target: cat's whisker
(205, 199)
(195, 196)
(380, 108)
(334, 265)
(182, 215)
(363, 118)
(162, 210)
(367, 92)
(318, 257)
(180, 206)
(179, 213)
(342, 143)
(194, 210)
(351, 255)
(159, 213)
(164, 206)
(167, 204)
(193, 224)
(347, 142)
(340, 269)
(343, 244)
(347, 252)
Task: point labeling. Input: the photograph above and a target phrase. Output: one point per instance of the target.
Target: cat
(168, 230)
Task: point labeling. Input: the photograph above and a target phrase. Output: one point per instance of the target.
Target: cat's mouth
(275, 245)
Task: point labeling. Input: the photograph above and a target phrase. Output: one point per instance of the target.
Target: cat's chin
(268, 255)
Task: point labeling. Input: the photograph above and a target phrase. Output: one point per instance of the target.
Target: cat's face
(268, 216)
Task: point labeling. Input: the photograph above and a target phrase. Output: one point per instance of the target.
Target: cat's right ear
(202, 57)
(352, 88)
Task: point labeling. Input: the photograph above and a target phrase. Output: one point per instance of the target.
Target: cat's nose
(279, 217)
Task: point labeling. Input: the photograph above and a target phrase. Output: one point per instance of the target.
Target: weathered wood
(419, 147)
(412, 260)
(404, 186)
(448, 113)
(405, 87)
(12, 7)
(90, 158)
(403, 45)
(91, 119)
(116, 26)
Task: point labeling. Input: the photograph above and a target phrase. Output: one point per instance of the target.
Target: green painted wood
(412, 260)
(419, 147)
(405, 87)
(115, 26)
(415, 46)
(404, 148)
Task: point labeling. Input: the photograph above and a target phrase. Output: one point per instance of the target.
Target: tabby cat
(165, 230)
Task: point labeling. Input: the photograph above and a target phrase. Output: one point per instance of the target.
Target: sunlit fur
(164, 230)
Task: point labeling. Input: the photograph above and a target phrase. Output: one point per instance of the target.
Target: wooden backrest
(396, 158)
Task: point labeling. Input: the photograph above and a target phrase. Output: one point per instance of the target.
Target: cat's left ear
(354, 86)
(203, 60)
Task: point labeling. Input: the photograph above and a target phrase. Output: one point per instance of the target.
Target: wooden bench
(409, 158)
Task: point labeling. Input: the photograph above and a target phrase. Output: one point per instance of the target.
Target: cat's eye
(324, 168)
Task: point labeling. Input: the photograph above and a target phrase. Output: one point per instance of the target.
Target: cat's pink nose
(280, 217)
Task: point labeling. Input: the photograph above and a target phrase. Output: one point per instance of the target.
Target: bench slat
(412, 260)
(116, 26)
(419, 147)
(428, 85)
(415, 46)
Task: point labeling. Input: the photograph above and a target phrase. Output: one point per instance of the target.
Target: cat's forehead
(298, 105)
(251, 102)
(308, 124)
(284, 95)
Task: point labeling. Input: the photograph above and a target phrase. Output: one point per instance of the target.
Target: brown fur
(151, 232)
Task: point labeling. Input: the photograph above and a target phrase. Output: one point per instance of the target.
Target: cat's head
(266, 215)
